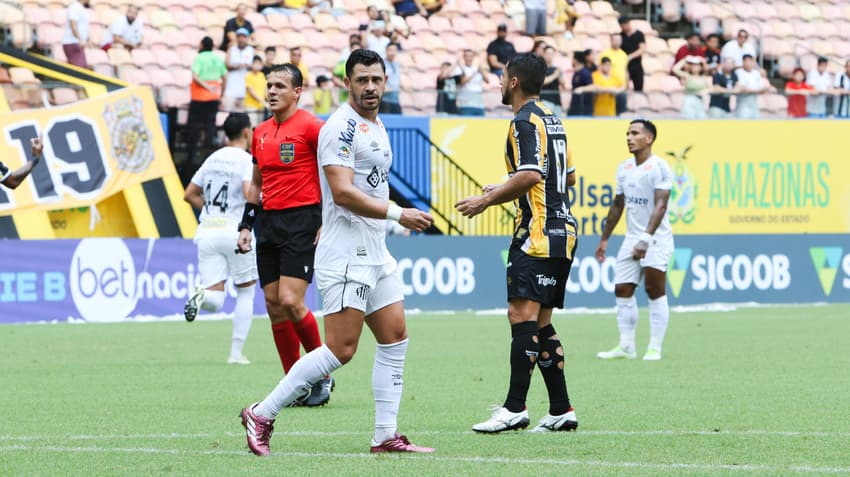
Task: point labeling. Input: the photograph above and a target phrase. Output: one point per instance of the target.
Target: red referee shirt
(286, 156)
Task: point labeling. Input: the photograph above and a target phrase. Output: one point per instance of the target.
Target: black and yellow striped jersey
(537, 142)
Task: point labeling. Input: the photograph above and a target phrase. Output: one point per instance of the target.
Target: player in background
(12, 179)
(286, 171)
(218, 189)
(358, 278)
(541, 252)
(643, 189)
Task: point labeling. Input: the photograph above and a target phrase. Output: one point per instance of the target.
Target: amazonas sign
(730, 177)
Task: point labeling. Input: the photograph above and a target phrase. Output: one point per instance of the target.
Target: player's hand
(600, 250)
(244, 242)
(37, 147)
(639, 251)
(318, 234)
(415, 219)
(472, 206)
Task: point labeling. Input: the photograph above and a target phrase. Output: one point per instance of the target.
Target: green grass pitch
(754, 391)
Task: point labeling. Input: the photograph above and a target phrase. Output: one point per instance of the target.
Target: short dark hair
(235, 124)
(529, 69)
(691, 35)
(822, 60)
(363, 57)
(648, 125)
(604, 60)
(294, 73)
(271, 49)
(548, 47)
(295, 48)
(745, 32)
(747, 55)
(257, 58)
(206, 44)
(623, 19)
(580, 56)
(713, 35)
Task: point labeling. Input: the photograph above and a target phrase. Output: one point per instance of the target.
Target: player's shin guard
(659, 315)
(524, 350)
(627, 318)
(312, 367)
(213, 300)
(242, 315)
(308, 332)
(551, 364)
(287, 344)
(387, 384)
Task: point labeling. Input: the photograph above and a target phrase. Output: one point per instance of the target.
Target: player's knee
(624, 290)
(655, 292)
(344, 352)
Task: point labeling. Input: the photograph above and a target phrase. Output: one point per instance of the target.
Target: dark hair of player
(206, 44)
(530, 70)
(294, 73)
(363, 57)
(235, 124)
(271, 49)
(648, 125)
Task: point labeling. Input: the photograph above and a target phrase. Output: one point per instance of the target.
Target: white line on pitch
(207, 435)
(805, 469)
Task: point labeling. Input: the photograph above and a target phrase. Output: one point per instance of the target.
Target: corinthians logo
(131, 138)
(682, 206)
(826, 261)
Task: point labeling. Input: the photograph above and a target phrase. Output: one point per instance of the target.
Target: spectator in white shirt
(821, 81)
(239, 59)
(76, 36)
(842, 93)
(126, 31)
(738, 48)
(750, 85)
(377, 39)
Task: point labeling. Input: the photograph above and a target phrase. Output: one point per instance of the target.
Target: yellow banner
(731, 177)
(92, 150)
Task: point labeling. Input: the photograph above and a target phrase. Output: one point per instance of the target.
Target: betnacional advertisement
(111, 279)
(731, 177)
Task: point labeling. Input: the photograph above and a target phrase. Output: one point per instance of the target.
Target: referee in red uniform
(286, 170)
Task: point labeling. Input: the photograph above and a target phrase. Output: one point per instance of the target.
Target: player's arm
(345, 194)
(252, 209)
(194, 195)
(664, 181)
(615, 211)
(17, 177)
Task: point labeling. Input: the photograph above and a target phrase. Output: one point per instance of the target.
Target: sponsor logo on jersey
(377, 176)
(545, 281)
(344, 151)
(375, 146)
(364, 128)
(361, 251)
(347, 136)
(632, 200)
(826, 261)
(287, 152)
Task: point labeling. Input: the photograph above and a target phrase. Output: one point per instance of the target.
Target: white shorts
(218, 260)
(629, 270)
(364, 288)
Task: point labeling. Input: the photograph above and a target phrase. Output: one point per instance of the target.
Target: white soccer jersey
(638, 185)
(221, 177)
(349, 140)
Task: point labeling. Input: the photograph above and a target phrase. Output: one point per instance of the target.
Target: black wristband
(249, 215)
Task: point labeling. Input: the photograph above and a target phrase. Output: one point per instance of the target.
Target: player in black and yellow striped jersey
(541, 252)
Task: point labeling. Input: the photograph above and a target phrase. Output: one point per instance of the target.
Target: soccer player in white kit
(355, 273)
(218, 190)
(643, 189)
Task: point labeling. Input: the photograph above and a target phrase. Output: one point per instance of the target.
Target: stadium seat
(4, 76)
(22, 76)
(671, 10)
(120, 56)
(671, 84)
(638, 102)
(660, 102)
(809, 11)
(16, 97)
(49, 35)
(174, 97)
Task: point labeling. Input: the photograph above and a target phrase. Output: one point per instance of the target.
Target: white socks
(387, 385)
(659, 315)
(213, 300)
(242, 315)
(627, 318)
(310, 368)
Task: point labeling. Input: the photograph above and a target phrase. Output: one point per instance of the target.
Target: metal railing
(449, 182)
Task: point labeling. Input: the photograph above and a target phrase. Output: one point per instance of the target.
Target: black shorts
(285, 243)
(542, 280)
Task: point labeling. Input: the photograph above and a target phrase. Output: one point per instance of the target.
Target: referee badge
(287, 152)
